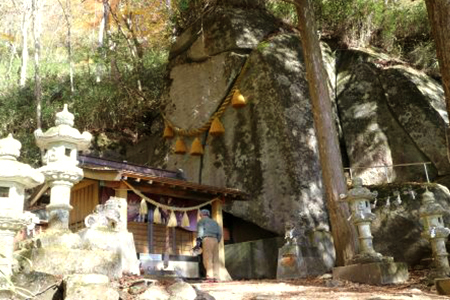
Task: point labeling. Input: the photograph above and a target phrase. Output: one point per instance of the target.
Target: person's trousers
(210, 247)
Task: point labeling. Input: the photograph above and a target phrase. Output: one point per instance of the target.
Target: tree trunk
(330, 156)
(37, 52)
(11, 61)
(102, 32)
(67, 11)
(25, 22)
(439, 16)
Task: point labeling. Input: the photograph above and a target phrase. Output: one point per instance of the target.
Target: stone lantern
(367, 266)
(61, 144)
(431, 214)
(362, 217)
(15, 177)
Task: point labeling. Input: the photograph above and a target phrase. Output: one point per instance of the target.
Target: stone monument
(15, 177)
(60, 145)
(106, 230)
(58, 251)
(367, 266)
(431, 215)
(298, 258)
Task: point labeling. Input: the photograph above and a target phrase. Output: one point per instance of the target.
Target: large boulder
(387, 114)
(89, 287)
(224, 29)
(397, 228)
(269, 148)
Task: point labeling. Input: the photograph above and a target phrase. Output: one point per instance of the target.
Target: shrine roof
(153, 179)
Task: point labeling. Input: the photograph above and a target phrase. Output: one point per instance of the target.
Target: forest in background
(107, 59)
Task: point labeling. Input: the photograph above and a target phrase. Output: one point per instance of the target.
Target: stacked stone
(431, 214)
(15, 177)
(61, 144)
(368, 266)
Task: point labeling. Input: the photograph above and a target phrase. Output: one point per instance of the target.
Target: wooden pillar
(173, 232)
(122, 192)
(150, 230)
(217, 215)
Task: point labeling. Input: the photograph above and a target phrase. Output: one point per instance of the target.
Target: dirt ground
(418, 287)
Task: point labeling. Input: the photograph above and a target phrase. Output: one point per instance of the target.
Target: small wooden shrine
(148, 194)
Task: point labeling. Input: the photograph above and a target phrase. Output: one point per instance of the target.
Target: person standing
(210, 233)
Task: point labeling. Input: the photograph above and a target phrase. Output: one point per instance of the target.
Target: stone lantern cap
(429, 205)
(359, 192)
(12, 170)
(63, 132)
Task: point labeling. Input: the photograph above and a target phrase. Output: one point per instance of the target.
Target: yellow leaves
(148, 20)
(7, 37)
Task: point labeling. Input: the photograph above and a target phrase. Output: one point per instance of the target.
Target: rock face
(89, 287)
(387, 114)
(269, 148)
(397, 228)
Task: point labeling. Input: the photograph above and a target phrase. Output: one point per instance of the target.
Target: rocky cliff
(388, 114)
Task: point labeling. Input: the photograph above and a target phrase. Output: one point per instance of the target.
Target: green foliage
(186, 12)
(282, 10)
(400, 28)
(115, 104)
(424, 57)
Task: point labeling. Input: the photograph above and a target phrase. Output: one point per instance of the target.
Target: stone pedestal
(442, 286)
(6, 250)
(58, 238)
(373, 273)
(120, 243)
(296, 261)
(61, 261)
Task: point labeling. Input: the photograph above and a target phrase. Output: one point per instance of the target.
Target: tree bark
(69, 43)
(439, 17)
(36, 11)
(102, 33)
(67, 11)
(344, 234)
(25, 22)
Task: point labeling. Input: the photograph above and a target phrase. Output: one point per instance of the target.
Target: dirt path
(285, 290)
(318, 289)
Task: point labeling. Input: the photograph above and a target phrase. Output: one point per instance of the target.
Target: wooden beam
(39, 194)
(108, 175)
(169, 192)
(82, 184)
(217, 215)
(112, 184)
(122, 193)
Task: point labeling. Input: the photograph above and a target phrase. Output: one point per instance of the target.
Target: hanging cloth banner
(172, 209)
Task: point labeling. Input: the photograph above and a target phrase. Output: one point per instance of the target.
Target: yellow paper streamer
(185, 220)
(157, 216)
(172, 220)
(143, 209)
(199, 216)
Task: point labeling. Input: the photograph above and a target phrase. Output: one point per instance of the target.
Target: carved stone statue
(294, 235)
(105, 216)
